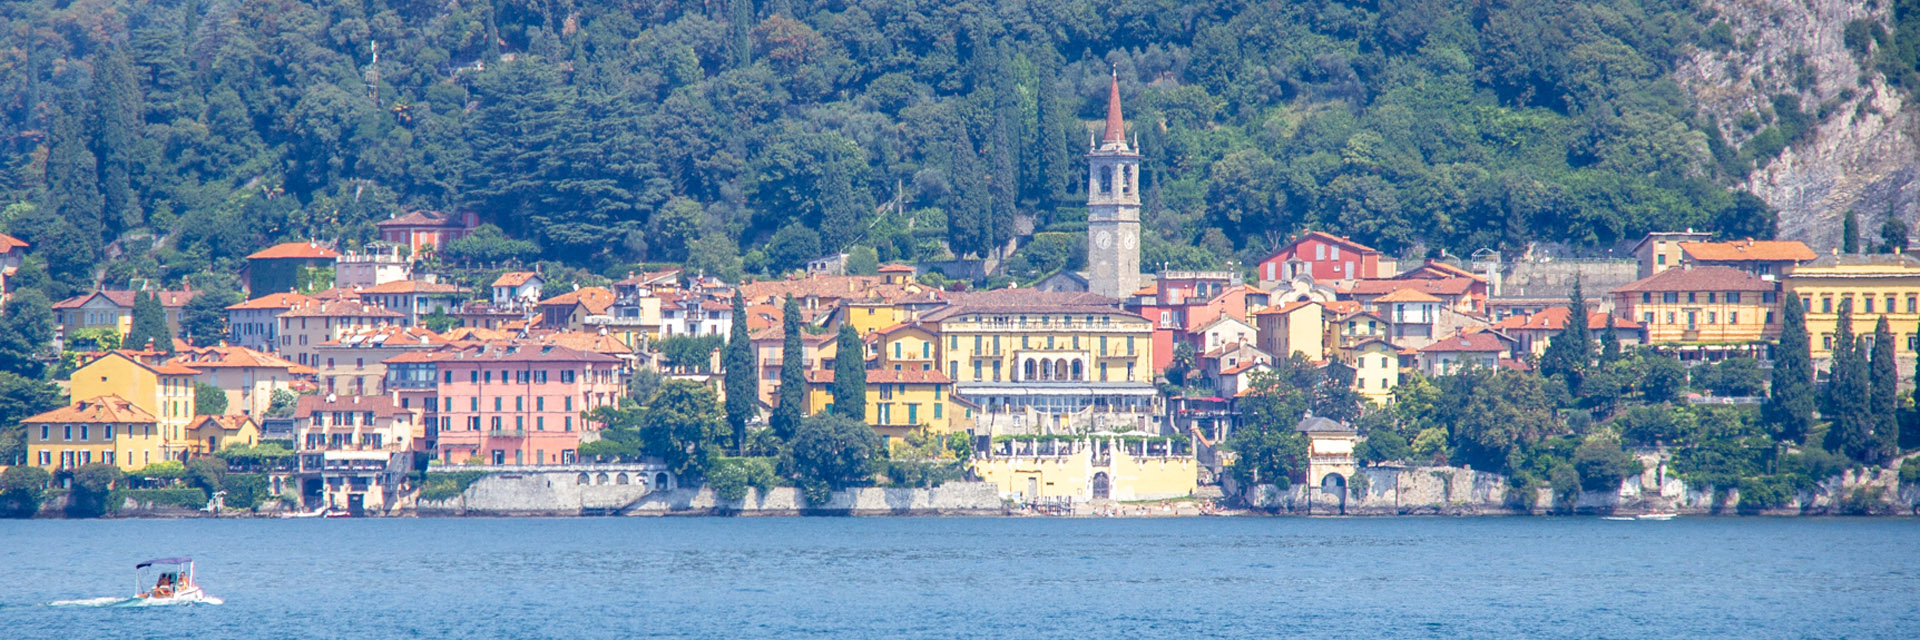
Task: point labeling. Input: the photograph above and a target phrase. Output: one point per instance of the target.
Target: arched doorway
(1335, 483)
(1102, 487)
(660, 482)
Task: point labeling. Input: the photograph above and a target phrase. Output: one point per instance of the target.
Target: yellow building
(163, 390)
(207, 435)
(1085, 468)
(898, 402)
(1045, 355)
(1884, 285)
(905, 347)
(248, 377)
(1293, 327)
(107, 429)
(1376, 369)
(869, 316)
(1701, 305)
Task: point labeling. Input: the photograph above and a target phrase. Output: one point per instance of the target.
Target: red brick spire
(1116, 128)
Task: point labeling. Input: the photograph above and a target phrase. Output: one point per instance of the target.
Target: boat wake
(135, 602)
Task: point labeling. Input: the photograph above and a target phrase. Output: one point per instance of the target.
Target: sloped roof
(381, 406)
(1407, 295)
(284, 300)
(387, 336)
(1475, 342)
(887, 376)
(421, 218)
(216, 357)
(509, 352)
(1323, 236)
(1555, 319)
(414, 286)
(462, 334)
(1439, 287)
(896, 268)
(1747, 250)
(1698, 278)
(1317, 424)
(295, 251)
(233, 422)
(515, 278)
(341, 309)
(104, 409)
(1026, 301)
(125, 299)
(587, 341)
(9, 243)
(595, 299)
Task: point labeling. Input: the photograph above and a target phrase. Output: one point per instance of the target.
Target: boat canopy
(155, 561)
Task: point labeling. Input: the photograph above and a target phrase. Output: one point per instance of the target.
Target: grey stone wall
(954, 498)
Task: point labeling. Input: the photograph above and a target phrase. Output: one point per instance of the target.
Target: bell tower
(1113, 207)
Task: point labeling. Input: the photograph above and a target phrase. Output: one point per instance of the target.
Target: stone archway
(660, 482)
(1335, 483)
(1102, 486)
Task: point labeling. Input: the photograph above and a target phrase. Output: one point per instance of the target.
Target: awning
(155, 561)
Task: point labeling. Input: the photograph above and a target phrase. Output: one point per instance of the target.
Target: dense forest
(162, 138)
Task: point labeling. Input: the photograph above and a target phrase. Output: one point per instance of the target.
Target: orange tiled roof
(1555, 319)
(295, 251)
(103, 409)
(216, 357)
(887, 376)
(9, 243)
(233, 422)
(1747, 250)
(339, 309)
(414, 286)
(1440, 287)
(287, 300)
(1478, 342)
(1407, 295)
(1697, 278)
(514, 278)
(595, 299)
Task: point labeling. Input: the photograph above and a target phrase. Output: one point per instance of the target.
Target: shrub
(92, 490)
(445, 486)
(1764, 492)
(183, 497)
(1863, 501)
(22, 491)
(1602, 464)
(730, 477)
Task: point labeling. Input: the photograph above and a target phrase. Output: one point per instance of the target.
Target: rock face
(1864, 154)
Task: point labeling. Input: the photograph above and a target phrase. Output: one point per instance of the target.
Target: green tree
(26, 334)
(1571, 351)
(683, 426)
(22, 397)
(793, 382)
(1883, 400)
(282, 403)
(1790, 404)
(118, 110)
(1609, 343)
(92, 488)
(149, 324)
(203, 320)
(1850, 233)
(742, 376)
(1893, 235)
(22, 490)
(862, 260)
(688, 353)
(850, 375)
(833, 452)
(1602, 464)
(1846, 405)
(208, 400)
(1662, 378)
(1268, 449)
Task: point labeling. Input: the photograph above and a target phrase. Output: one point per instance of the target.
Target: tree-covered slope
(167, 137)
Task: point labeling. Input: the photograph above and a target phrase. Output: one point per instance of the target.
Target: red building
(422, 231)
(1324, 256)
(507, 404)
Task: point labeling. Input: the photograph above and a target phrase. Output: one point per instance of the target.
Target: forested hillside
(166, 137)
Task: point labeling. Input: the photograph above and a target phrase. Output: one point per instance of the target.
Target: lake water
(977, 578)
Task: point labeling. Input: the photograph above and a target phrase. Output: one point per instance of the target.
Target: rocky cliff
(1863, 153)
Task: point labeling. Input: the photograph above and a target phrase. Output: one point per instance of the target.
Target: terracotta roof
(1242, 367)
(1439, 287)
(1116, 127)
(382, 406)
(337, 293)
(887, 376)
(421, 218)
(103, 409)
(234, 422)
(9, 243)
(1322, 235)
(896, 268)
(1747, 250)
(1026, 301)
(287, 300)
(295, 251)
(462, 334)
(595, 299)
(341, 309)
(1555, 319)
(414, 286)
(588, 341)
(227, 356)
(514, 278)
(1344, 307)
(1407, 295)
(510, 352)
(1475, 342)
(1436, 268)
(387, 336)
(125, 299)
(646, 278)
(1287, 307)
(1698, 278)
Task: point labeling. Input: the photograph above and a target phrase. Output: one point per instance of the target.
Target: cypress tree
(1054, 129)
(1790, 404)
(1004, 183)
(1609, 343)
(793, 382)
(1849, 429)
(1850, 233)
(743, 390)
(1884, 383)
(1571, 351)
(119, 112)
(740, 31)
(850, 375)
(149, 324)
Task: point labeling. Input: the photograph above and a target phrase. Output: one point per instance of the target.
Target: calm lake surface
(977, 578)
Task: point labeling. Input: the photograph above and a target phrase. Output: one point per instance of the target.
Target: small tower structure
(1113, 207)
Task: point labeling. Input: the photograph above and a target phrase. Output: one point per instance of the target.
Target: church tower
(1113, 208)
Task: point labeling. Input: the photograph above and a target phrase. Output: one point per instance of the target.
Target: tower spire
(1116, 128)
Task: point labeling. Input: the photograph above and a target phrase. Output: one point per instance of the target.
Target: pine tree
(26, 334)
(1609, 343)
(743, 391)
(850, 375)
(1570, 352)
(1056, 139)
(1884, 388)
(118, 108)
(1850, 233)
(1790, 403)
(149, 324)
(793, 381)
(740, 31)
(1849, 429)
(1004, 182)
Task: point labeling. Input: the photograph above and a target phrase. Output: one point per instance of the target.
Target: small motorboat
(174, 583)
(1658, 517)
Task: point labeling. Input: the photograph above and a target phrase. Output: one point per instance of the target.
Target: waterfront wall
(560, 493)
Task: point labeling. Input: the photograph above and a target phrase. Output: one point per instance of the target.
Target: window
(1869, 304)
(1711, 317)
(540, 403)
(496, 404)
(1359, 383)
(1769, 317)
(496, 423)
(1691, 296)
(473, 377)
(569, 423)
(1733, 297)
(83, 432)
(69, 433)
(996, 371)
(1710, 296)
(473, 403)
(1319, 252)
(1670, 297)
(936, 409)
(1646, 296)
(1826, 341)
(1129, 372)
(1670, 317)
(519, 403)
(1826, 305)
(1768, 297)
(487, 377)
(45, 433)
(1646, 318)
(1660, 259)
(569, 404)
(1733, 317)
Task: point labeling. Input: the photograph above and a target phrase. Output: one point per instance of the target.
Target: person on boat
(164, 587)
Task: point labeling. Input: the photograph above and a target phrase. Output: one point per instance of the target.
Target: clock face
(1127, 240)
(1104, 239)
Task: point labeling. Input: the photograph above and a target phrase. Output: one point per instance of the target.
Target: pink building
(508, 404)
(1324, 256)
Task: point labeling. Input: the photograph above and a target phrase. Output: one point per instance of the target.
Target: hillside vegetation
(162, 138)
